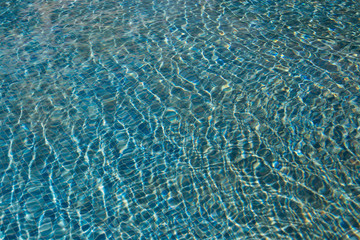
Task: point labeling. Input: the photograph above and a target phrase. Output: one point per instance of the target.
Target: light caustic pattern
(179, 119)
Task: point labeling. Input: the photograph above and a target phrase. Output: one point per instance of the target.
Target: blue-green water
(187, 120)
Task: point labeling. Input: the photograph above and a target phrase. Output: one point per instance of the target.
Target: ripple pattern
(183, 119)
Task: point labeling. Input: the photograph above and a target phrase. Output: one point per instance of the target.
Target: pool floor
(204, 119)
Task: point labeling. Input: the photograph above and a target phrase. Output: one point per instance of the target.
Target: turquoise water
(187, 120)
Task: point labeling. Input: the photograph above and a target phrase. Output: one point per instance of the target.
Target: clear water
(153, 119)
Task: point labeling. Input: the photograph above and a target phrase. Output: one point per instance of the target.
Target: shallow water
(179, 119)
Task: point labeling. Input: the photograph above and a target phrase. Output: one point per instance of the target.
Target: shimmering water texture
(152, 119)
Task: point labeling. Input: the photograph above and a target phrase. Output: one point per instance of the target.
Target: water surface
(179, 119)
